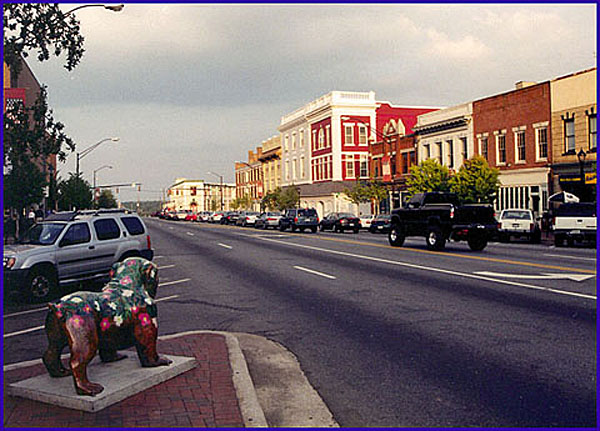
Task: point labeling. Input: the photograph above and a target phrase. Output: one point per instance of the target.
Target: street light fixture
(82, 154)
(99, 169)
(221, 178)
(114, 8)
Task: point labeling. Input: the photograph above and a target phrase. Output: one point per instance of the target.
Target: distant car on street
(268, 219)
(366, 220)
(518, 223)
(574, 221)
(230, 217)
(247, 218)
(299, 218)
(216, 217)
(340, 222)
(381, 224)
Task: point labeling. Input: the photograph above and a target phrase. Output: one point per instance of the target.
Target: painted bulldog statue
(120, 316)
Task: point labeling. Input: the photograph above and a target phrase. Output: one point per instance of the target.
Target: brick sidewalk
(202, 397)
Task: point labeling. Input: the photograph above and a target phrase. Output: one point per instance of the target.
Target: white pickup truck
(574, 222)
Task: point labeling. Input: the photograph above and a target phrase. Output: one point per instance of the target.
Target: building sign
(590, 178)
(386, 169)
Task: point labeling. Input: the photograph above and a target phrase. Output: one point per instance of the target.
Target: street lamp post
(82, 154)
(221, 179)
(114, 8)
(581, 158)
(99, 169)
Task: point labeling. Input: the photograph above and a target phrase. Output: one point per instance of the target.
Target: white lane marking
(24, 331)
(166, 298)
(38, 328)
(225, 246)
(168, 283)
(158, 257)
(166, 266)
(542, 276)
(20, 313)
(571, 257)
(425, 268)
(312, 271)
(190, 234)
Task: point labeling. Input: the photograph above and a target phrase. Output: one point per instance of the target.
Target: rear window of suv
(307, 213)
(107, 229)
(133, 225)
(577, 210)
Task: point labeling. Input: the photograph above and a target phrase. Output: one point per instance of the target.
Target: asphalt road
(388, 336)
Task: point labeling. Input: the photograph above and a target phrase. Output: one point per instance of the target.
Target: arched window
(321, 138)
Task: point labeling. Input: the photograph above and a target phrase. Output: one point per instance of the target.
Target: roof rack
(71, 215)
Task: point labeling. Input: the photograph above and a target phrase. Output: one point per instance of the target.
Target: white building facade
(199, 195)
(325, 148)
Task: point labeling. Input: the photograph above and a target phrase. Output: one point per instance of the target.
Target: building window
(440, 152)
(302, 173)
(364, 167)
(294, 168)
(349, 135)
(287, 170)
(465, 148)
(592, 130)
(350, 168)
(483, 147)
(321, 139)
(294, 141)
(541, 137)
(314, 140)
(405, 163)
(301, 138)
(520, 143)
(427, 154)
(450, 143)
(362, 135)
(286, 142)
(327, 136)
(501, 149)
(570, 135)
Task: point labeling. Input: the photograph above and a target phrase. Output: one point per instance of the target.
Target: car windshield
(347, 215)
(273, 214)
(43, 233)
(383, 217)
(307, 213)
(517, 215)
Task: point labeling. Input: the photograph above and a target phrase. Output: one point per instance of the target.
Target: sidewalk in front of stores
(241, 380)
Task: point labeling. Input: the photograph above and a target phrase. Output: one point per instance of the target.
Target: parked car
(181, 214)
(216, 217)
(204, 216)
(70, 247)
(191, 216)
(247, 218)
(299, 218)
(518, 223)
(381, 224)
(574, 222)
(340, 222)
(366, 220)
(230, 217)
(268, 219)
(439, 217)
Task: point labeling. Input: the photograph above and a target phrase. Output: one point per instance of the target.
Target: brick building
(512, 131)
(248, 178)
(574, 111)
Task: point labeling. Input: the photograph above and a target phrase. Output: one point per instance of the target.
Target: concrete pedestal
(120, 379)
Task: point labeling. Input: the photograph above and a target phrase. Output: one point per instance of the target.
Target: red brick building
(394, 152)
(512, 131)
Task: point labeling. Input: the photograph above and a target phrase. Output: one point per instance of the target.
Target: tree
(42, 27)
(74, 193)
(106, 200)
(428, 176)
(288, 198)
(214, 205)
(271, 199)
(476, 181)
(372, 191)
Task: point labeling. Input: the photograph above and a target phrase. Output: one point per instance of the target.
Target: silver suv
(71, 247)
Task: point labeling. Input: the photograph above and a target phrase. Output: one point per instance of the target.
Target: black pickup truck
(439, 217)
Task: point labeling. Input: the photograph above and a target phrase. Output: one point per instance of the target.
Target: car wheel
(434, 239)
(559, 240)
(396, 236)
(302, 229)
(281, 228)
(313, 229)
(41, 284)
(321, 227)
(294, 228)
(504, 237)
(355, 230)
(477, 242)
(337, 228)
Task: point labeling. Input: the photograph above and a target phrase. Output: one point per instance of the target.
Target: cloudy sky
(190, 88)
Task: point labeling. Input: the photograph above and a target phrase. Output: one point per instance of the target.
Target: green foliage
(428, 176)
(288, 198)
(361, 192)
(214, 205)
(106, 200)
(74, 193)
(271, 199)
(43, 28)
(23, 185)
(241, 203)
(476, 181)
